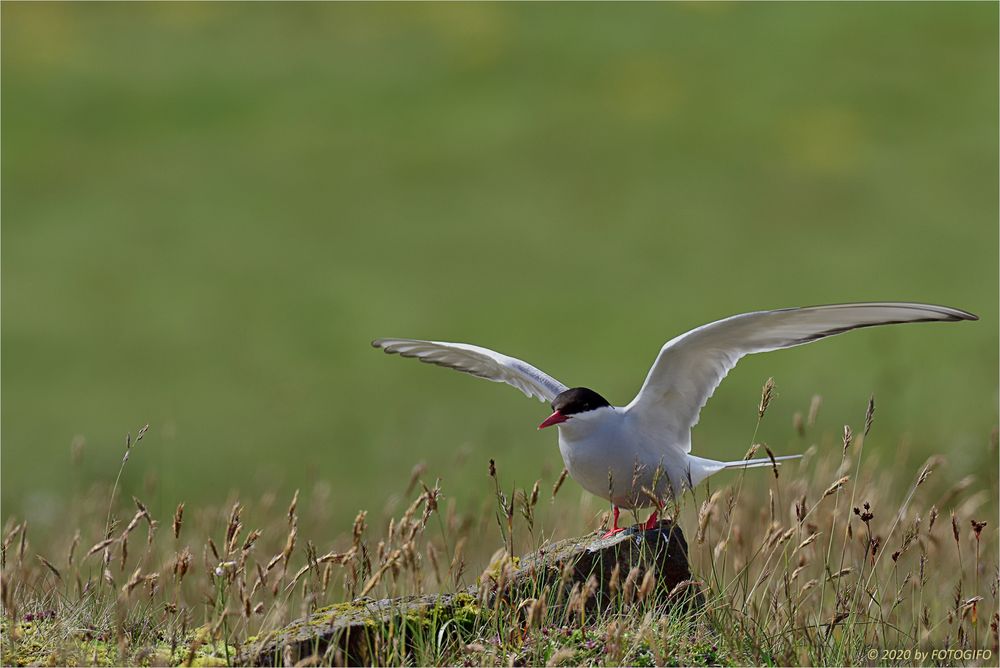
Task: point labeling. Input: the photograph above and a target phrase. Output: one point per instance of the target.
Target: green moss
(410, 616)
(342, 608)
(466, 608)
(325, 615)
(493, 570)
(462, 608)
(59, 643)
(40, 643)
(100, 652)
(209, 650)
(160, 657)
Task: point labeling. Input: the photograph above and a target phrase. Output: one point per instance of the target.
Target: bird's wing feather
(691, 366)
(481, 362)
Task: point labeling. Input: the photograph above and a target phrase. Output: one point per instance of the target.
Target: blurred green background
(209, 210)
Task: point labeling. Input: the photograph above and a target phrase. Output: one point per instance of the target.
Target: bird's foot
(652, 522)
(616, 514)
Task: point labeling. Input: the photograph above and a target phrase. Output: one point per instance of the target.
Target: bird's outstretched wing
(691, 366)
(480, 362)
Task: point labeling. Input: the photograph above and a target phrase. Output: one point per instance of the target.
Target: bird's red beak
(555, 418)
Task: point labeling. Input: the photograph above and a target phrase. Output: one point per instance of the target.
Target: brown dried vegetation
(815, 565)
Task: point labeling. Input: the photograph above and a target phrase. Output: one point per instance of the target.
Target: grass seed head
(628, 589)
(704, 514)
(286, 553)
(774, 462)
(292, 506)
(432, 556)
(798, 423)
(48, 564)
(869, 414)
(614, 584)
(275, 560)
(233, 526)
(178, 520)
(181, 564)
(418, 470)
(613, 640)
(564, 656)
(866, 515)
(801, 508)
(537, 612)
(832, 489)
(927, 470)
(250, 540)
(648, 583)
(133, 581)
(124, 552)
(72, 547)
(23, 545)
(359, 527)
(766, 393)
(100, 546)
(457, 566)
(559, 481)
(814, 405)
(808, 541)
(133, 523)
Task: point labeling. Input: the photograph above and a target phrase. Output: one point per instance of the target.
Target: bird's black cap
(578, 400)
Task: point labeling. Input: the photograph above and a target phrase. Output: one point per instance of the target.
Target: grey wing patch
(940, 314)
(840, 330)
(552, 386)
(691, 366)
(477, 361)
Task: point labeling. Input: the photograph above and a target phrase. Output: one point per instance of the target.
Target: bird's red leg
(654, 519)
(615, 529)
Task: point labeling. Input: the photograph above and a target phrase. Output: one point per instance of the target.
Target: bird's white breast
(612, 457)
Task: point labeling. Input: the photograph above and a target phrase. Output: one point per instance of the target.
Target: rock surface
(584, 572)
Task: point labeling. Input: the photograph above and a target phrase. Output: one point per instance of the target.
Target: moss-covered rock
(357, 632)
(352, 630)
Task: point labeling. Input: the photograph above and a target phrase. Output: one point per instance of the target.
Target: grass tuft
(789, 570)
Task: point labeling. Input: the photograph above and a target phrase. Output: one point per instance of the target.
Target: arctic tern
(623, 453)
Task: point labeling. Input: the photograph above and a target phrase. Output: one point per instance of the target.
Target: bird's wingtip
(957, 314)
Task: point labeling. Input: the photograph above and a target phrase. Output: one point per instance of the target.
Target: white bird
(614, 452)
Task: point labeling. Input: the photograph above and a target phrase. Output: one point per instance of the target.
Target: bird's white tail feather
(753, 463)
